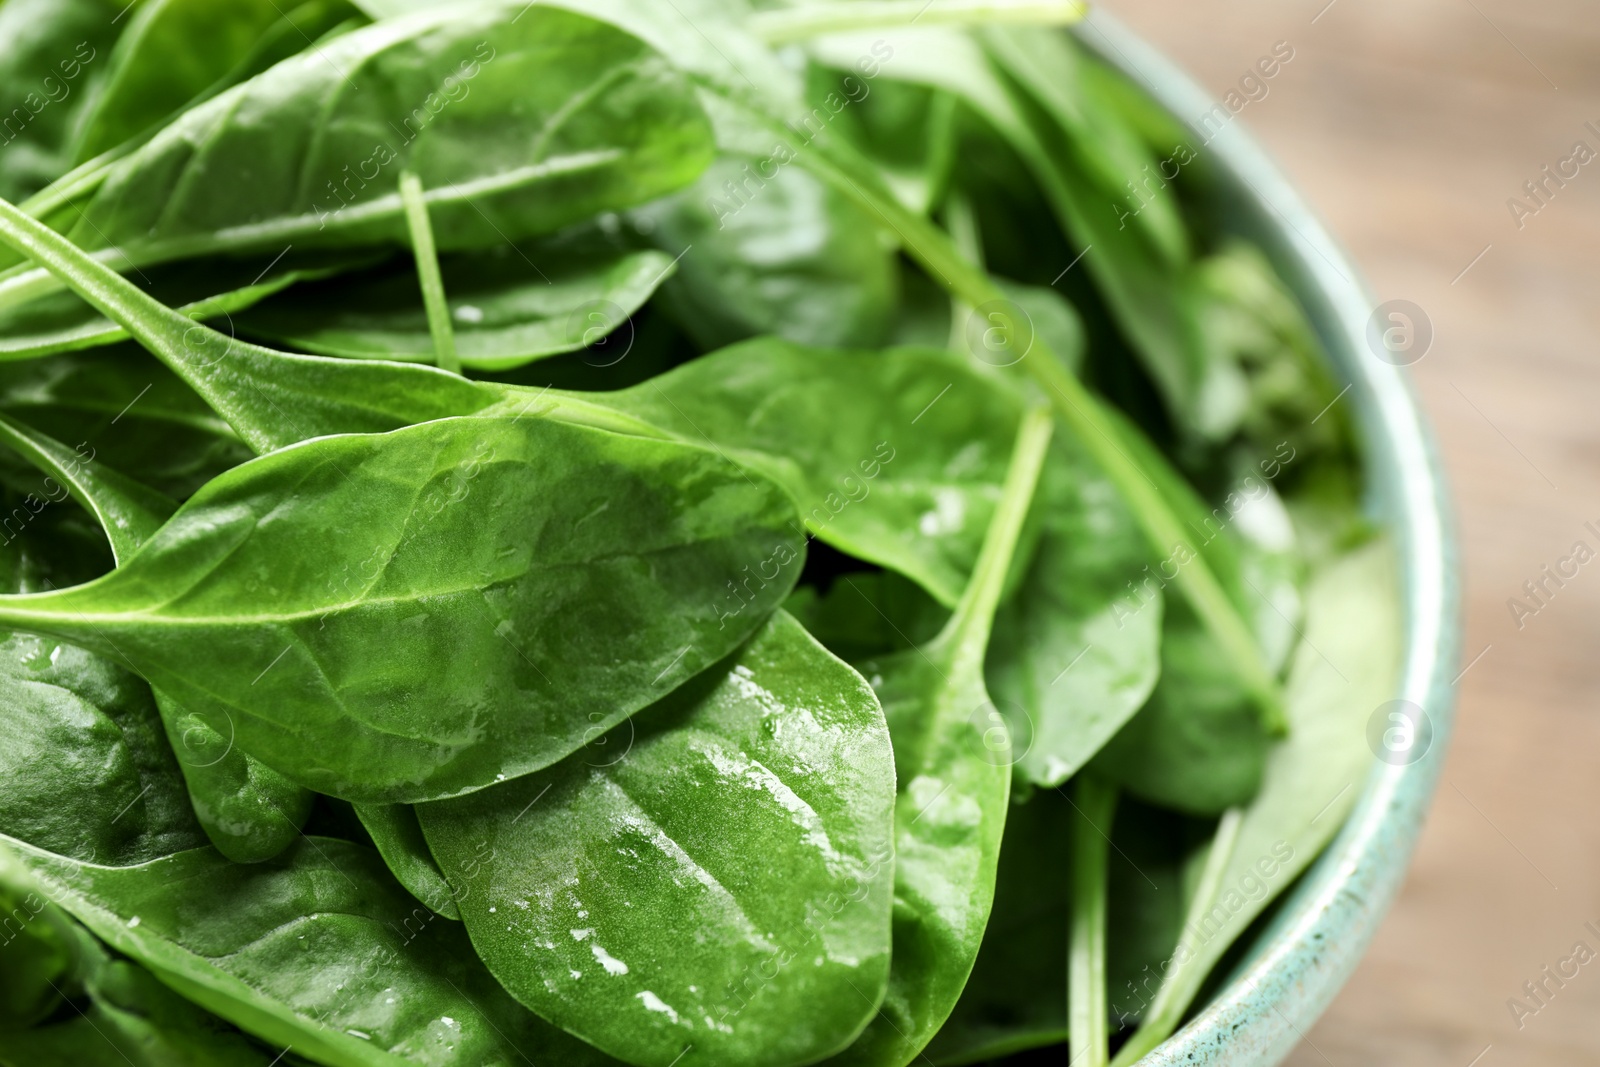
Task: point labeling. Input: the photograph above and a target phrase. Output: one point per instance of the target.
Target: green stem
(969, 625)
(1182, 981)
(962, 223)
(427, 255)
(789, 25)
(1088, 1015)
(1086, 416)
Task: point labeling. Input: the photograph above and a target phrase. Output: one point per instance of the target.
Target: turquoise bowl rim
(1300, 960)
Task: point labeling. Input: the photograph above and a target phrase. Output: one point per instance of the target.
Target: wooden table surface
(1409, 124)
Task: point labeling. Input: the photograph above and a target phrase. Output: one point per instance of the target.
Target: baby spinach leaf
(317, 949)
(87, 771)
(895, 457)
(1016, 998)
(1246, 320)
(509, 306)
(172, 52)
(120, 1014)
(768, 249)
(721, 891)
(1344, 668)
(953, 775)
(51, 52)
(1076, 651)
(249, 811)
(502, 621)
(518, 121)
(397, 835)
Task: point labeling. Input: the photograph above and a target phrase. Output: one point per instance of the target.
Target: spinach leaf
(397, 835)
(317, 949)
(519, 121)
(1076, 651)
(953, 774)
(1345, 668)
(769, 249)
(51, 52)
(173, 52)
(487, 560)
(87, 769)
(895, 457)
(249, 811)
(1016, 998)
(721, 892)
(509, 305)
(1248, 323)
(119, 1014)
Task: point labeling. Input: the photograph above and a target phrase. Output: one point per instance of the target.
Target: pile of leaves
(608, 531)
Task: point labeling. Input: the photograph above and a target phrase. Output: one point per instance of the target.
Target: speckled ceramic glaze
(1300, 960)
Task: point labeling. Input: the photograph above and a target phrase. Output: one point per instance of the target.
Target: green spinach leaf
(249, 811)
(768, 249)
(174, 52)
(519, 121)
(317, 949)
(119, 1012)
(720, 892)
(488, 560)
(509, 306)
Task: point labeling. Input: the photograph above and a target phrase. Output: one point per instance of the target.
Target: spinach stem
(1182, 982)
(427, 255)
(788, 25)
(962, 223)
(1088, 1022)
(1083, 413)
(967, 632)
(83, 180)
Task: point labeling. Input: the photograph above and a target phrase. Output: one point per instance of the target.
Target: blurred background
(1409, 124)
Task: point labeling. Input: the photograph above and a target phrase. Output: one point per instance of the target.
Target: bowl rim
(1301, 959)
